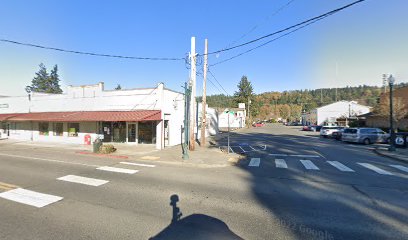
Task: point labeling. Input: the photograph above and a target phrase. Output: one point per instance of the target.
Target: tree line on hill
(291, 104)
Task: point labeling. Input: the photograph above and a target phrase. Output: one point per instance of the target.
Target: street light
(228, 147)
(388, 78)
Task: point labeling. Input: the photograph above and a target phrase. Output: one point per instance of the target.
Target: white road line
(400, 167)
(280, 163)
(309, 165)
(252, 148)
(375, 169)
(305, 156)
(48, 160)
(340, 166)
(118, 170)
(242, 149)
(83, 180)
(31, 198)
(231, 150)
(254, 162)
(138, 164)
(278, 154)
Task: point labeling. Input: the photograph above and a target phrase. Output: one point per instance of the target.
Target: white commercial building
(329, 114)
(84, 113)
(236, 117)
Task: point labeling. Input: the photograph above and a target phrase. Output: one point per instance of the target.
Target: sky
(350, 48)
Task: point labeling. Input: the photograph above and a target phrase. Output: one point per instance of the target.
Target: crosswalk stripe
(400, 167)
(309, 165)
(255, 162)
(138, 164)
(31, 198)
(305, 156)
(340, 166)
(280, 163)
(118, 170)
(278, 154)
(83, 180)
(375, 169)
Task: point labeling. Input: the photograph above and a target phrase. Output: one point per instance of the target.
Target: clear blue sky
(365, 41)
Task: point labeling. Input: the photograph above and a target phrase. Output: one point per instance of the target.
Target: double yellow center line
(6, 186)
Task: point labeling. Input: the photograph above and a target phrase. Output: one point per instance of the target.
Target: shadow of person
(195, 226)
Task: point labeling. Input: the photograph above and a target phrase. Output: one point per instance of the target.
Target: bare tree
(400, 110)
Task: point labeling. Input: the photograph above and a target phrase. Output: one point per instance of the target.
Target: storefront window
(58, 129)
(73, 129)
(147, 132)
(43, 128)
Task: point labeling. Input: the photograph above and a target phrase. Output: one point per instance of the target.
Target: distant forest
(290, 104)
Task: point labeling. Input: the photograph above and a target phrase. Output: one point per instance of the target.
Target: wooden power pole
(204, 102)
(193, 59)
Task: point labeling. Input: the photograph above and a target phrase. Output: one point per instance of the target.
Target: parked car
(401, 139)
(327, 131)
(258, 124)
(337, 134)
(365, 135)
(315, 128)
(306, 128)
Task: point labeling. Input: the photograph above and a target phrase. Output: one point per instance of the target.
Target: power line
(257, 25)
(215, 86)
(272, 40)
(218, 82)
(288, 28)
(91, 53)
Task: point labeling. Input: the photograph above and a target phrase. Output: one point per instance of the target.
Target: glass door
(132, 132)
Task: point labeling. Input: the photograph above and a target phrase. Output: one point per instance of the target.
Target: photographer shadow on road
(195, 226)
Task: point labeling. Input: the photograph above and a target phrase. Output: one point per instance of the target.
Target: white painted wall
(237, 121)
(211, 121)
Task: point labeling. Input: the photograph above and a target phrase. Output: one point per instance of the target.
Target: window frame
(69, 126)
(54, 128)
(41, 131)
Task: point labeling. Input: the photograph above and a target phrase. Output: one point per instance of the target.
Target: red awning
(90, 116)
(5, 117)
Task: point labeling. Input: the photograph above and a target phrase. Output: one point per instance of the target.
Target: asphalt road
(276, 197)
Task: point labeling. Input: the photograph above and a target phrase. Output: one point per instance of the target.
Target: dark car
(315, 128)
(401, 139)
(337, 134)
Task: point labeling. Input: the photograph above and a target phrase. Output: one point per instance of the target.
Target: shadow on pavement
(195, 226)
(310, 205)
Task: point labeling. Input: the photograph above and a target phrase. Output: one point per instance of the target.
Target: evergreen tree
(118, 87)
(44, 82)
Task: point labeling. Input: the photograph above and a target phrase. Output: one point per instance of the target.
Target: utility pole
(321, 96)
(193, 94)
(203, 119)
(249, 115)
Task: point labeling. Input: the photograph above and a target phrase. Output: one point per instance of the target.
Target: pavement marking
(305, 156)
(47, 160)
(31, 198)
(375, 169)
(231, 150)
(309, 165)
(83, 180)
(6, 186)
(340, 166)
(254, 162)
(138, 164)
(252, 148)
(400, 167)
(280, 163)
(118, 170)
(242, 149)
(278, 154)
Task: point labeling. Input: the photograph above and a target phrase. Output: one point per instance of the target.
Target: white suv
(327, 131)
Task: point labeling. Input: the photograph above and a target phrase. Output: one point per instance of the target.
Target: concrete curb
(378, 152)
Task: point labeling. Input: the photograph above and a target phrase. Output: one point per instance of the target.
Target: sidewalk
(400, 154)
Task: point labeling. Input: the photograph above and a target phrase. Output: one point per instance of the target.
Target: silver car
(365, 135)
